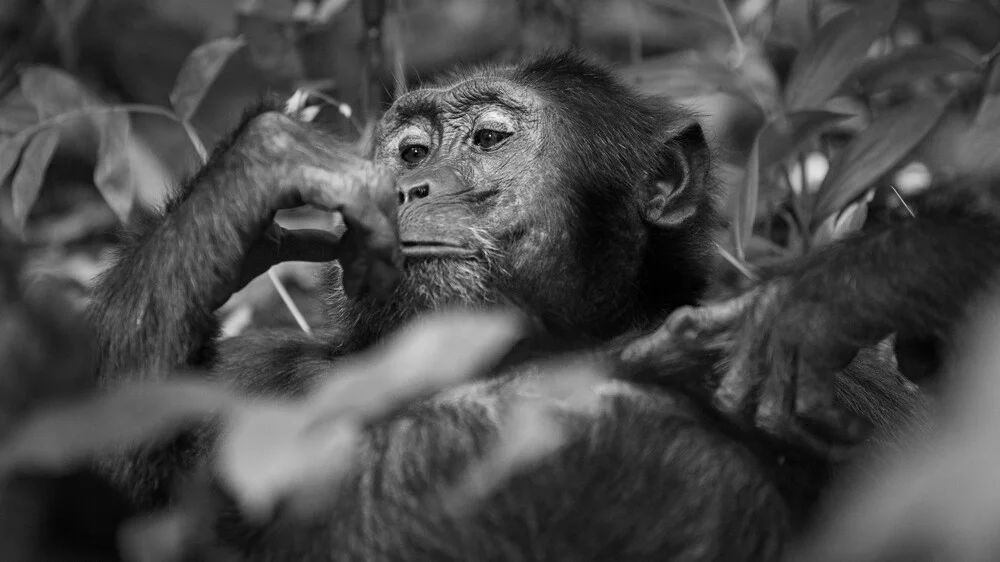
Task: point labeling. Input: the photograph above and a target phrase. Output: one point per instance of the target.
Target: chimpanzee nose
(430, 183)
(409, 194)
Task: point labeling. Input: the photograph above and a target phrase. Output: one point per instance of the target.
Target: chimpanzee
(548, 186)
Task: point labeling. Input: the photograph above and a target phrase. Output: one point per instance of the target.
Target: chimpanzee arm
(790, 335)
(154, 307)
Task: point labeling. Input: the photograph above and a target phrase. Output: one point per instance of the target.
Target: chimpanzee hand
(782, 351)
(304, 166)
(788, 347)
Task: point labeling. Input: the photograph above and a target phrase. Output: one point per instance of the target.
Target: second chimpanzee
(550, 186)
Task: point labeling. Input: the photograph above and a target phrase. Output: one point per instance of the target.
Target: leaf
(297, 451)
(63, 437)
(113, 172)
(430, 354)
(685, 75)
(706, 9)
(746, 207)
(270, 454)
(30, 174)
(988, 115)
(533, 428)
(875, 151)
(834, 53)
(781, 138)
(848, 221)
(16, 113)
(10, 154)
(793, 20)
(200, 69)
(907, 65)
(53, 91)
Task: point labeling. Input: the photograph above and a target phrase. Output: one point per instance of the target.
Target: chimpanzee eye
(488, 138)
(413, 153)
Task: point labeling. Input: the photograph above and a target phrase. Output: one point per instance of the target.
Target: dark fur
(653, 475)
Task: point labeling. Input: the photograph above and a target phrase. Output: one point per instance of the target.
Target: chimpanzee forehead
(460, 97)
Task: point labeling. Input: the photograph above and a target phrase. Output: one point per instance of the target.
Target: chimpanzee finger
(816, 409)
(776, 412)
(776, 404)
(693, 322)
(735, 392)
(352, 197)
(383, 192)
(312, 245)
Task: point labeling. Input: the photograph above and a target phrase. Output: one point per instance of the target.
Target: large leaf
(781, 138)
(793, 21)
(296, 451)
(30, 174)
(875, 151)
(685, 75)
(746, 205)
(62, 437)
(200, 69)
(113, 172)
(707, 9)
(835, 52)
(53, 91)
(907, 65)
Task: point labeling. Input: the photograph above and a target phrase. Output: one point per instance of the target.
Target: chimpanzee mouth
(418, 249)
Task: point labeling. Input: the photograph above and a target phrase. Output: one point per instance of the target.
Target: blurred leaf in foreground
(59, 438)
(939, 501)
(297, 451)
(537, 424)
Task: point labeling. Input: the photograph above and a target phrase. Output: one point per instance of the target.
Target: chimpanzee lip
(436, 249)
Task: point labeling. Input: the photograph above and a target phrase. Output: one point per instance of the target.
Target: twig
(741, 49)
(287, 299)
(737, 264)
(903, 201)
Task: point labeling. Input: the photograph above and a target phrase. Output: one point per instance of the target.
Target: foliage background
(815, 107)
(825, 114)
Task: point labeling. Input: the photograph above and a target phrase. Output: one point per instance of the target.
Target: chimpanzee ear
(682, 179)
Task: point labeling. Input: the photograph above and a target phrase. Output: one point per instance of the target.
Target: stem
(903, 201)
(287, 299)
(335, 102)
(741, 49)
(737, 264)
(199, 147)
(96, 110)
(798, 212)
